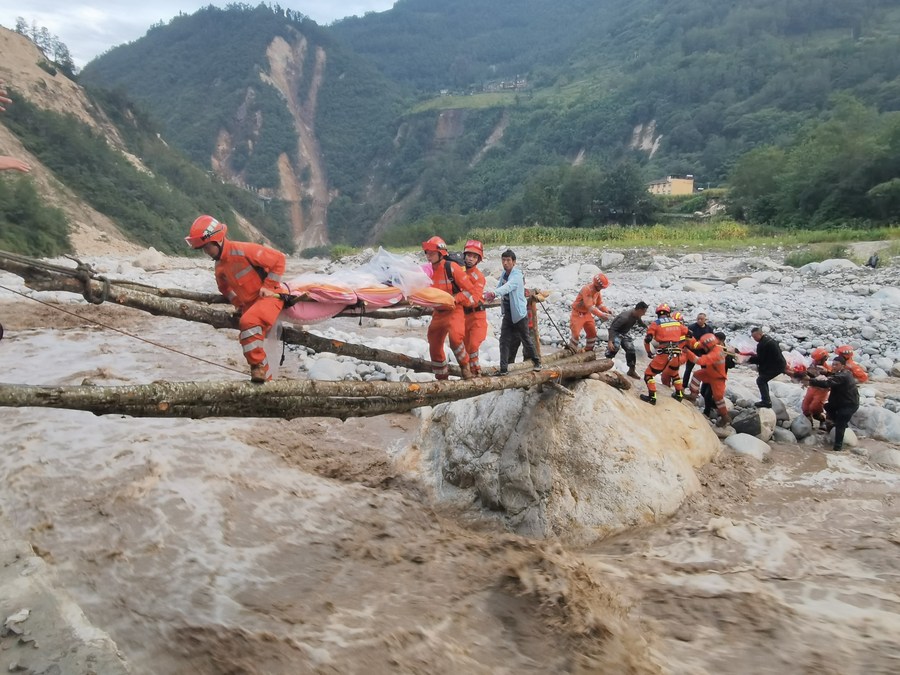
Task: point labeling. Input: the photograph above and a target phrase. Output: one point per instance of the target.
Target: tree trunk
(283, 398)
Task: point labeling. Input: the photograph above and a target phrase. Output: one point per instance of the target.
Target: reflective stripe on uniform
(274, 277)
(250, 346)
(250, 332)
(231, 295)
(244, 271)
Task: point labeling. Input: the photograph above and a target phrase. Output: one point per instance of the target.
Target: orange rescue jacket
(244, 268)
(477, 278)
(712, 361)
(587, 299)
(464, 291)
(666, 331)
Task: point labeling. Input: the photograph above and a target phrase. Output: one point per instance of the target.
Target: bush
(816, 254)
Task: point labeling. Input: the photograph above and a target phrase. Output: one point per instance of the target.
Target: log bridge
(283, 398)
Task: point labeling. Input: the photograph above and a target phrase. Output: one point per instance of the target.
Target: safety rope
(553, 323)
(119, 330)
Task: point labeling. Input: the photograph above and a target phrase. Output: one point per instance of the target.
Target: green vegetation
(27, 226)
(843, 170)
(155, 209)
(709, 85)
(816, 254)
(725, 234)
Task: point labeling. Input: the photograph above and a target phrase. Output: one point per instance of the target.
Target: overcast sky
(90, 28)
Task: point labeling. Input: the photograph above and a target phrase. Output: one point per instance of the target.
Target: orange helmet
(435, 244)
(708, 340)
(845, 350)
(204, 230)
(819, 355)
(600, 280)
(678, 316)
(474, 246)
(663, 309)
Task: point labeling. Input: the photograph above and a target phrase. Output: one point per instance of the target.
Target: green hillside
(708, 83)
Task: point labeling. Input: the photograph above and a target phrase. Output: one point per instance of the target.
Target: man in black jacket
(843, 401)
(770, 363)
(698, 329)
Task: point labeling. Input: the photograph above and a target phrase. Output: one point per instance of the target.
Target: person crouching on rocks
(587, 308)
(843, 402)
(713, 372)
(249, 276)
(618, 335)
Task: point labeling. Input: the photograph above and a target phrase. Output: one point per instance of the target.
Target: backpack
(460, 260)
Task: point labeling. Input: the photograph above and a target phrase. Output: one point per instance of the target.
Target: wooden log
(282, 398)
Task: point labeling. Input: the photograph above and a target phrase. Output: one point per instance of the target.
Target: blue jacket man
(514, 327)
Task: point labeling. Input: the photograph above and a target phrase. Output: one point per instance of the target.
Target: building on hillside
(672, 185)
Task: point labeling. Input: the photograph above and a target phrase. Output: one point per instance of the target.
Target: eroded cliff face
(302, 178)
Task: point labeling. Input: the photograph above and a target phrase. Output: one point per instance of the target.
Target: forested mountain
(581, 100)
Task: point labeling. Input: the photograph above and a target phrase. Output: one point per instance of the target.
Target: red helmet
(600, 280)
(819, 355)
(678, 316)
(435, 244)
(708, 340)
(845, 350)
(204, 230)
(663, 309)
(474, 246)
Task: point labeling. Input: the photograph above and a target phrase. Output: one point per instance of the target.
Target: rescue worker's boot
(724, 420)
(678, 395)
(466, 372)
(259, 372)
(649, 398)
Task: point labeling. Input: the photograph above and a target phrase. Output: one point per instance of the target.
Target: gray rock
(747, 422)
(611, 259)
(801, 427)
(744, 444)
(783, 436)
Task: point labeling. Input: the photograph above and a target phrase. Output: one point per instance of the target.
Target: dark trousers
(841, 418)
(627, 344)
(512, 334)
(762, 382)
(686, 378)
(706, 392)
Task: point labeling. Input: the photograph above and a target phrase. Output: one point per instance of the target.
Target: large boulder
(611, 259)
(759, 422)
(745, 444)
(801, 427)
(880, 423)
(577, 468)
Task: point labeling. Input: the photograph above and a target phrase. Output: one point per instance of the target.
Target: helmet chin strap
(219, 254)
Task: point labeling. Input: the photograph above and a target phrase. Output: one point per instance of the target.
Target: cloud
(90, 28)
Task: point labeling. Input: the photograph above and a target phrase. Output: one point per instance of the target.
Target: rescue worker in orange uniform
(686, 342)
(250, 277)
(450, 278)
(668, 334)
(713, 372)
(813, 404)
(587, 308)
(476, 317)
(856, 370)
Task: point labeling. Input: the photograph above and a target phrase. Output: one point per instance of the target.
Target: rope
(119, 330)
(553, 323)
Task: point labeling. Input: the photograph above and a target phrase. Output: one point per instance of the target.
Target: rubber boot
(678, 395)
(724, 420)
(649, 398)
(466, 372)
(632, 373)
